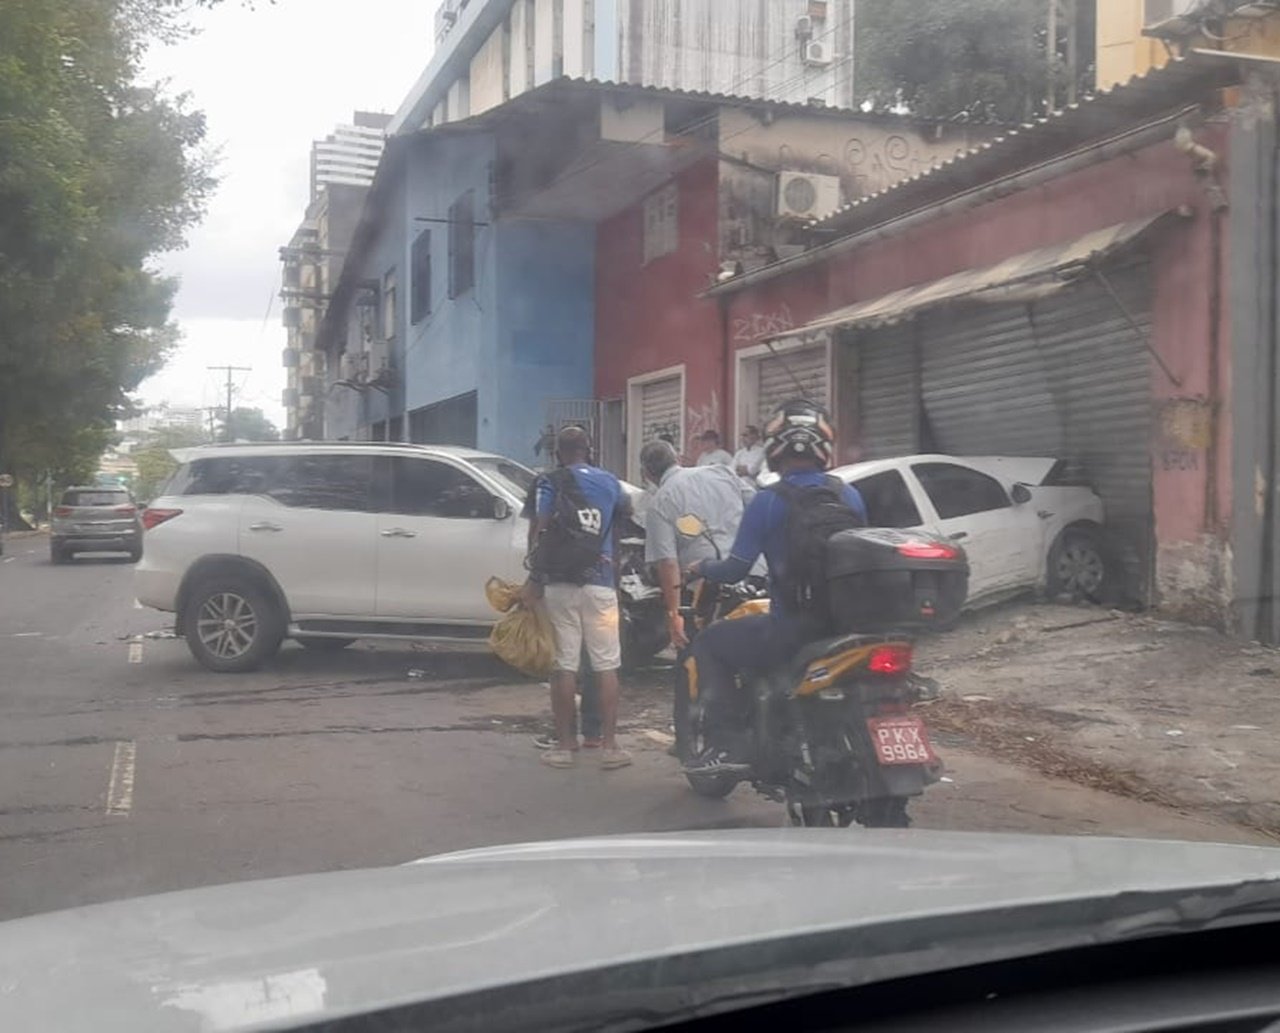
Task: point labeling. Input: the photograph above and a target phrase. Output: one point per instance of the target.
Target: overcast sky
(270, 80)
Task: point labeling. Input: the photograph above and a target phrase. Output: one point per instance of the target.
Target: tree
(155, 464)
(249, 425)
(98, 174)
(966, 60)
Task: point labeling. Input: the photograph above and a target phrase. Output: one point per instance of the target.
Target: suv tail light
(154, 517)
(894, 658)
(61, 511)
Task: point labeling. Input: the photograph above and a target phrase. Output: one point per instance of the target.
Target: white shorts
(584, 614)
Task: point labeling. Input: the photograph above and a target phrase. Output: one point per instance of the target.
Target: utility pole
(1051, 56)
(226, 428)
(1073, 50)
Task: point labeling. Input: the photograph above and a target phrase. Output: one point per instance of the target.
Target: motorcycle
(641, 614)
(831, 733)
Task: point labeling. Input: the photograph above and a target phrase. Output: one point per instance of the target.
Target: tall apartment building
(488, 51)
(349, 155)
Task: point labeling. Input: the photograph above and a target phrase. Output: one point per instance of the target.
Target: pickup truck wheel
(1077, 565)
(231, 624)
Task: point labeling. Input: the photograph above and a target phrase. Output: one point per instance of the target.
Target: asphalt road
(125, 768)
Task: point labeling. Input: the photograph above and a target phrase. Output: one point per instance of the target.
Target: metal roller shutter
(1101, 373)
(783, 376)
(985, 387)
(1066, 376)
(888, 394)
(660, 411)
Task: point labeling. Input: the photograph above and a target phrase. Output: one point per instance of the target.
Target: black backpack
(814, 514)
(571, 546)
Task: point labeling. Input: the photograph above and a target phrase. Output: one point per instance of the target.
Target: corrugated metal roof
(1037, 271)
(1182, 81)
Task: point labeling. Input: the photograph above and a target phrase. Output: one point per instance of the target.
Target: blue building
(449, 325)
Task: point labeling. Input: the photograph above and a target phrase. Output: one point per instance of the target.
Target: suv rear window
(76, 497)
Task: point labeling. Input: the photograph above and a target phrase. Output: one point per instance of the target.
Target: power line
(702, 123)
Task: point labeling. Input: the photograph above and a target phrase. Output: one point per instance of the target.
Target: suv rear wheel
(232, 624)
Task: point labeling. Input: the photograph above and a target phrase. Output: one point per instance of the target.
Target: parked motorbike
(832, 733)
(642, 616)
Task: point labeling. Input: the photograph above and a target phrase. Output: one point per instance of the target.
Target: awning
(1022, 278)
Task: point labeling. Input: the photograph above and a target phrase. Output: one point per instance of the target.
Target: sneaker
(713, 761)
(558, 758)
(549, 741)
(612, 759)
(593, 743)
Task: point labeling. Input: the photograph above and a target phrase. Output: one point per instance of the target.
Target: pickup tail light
(62, 511)
(894, 658)
(154, 517)
(928, 551)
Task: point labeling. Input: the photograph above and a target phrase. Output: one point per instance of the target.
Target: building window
(389, 305)
(462, 245)
(557, 38)
(420, 278)
(661, 223)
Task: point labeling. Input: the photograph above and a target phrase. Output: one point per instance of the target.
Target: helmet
(799, 429)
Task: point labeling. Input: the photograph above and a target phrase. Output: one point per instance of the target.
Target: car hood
(270, 954)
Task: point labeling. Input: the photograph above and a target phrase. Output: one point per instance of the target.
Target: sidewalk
(1150, 709)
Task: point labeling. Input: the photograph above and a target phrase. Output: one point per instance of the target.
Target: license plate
(900, 740)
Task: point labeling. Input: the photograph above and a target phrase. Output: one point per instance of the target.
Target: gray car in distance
(95, 519)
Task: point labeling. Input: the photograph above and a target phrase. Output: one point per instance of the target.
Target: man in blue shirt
(583, 612)
(799, 446)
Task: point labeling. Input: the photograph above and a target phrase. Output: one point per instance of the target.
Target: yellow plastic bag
(522, 637)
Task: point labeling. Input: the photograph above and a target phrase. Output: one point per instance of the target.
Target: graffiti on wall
(876, 163)
(1186, 431)
(759, 325)
(701, 418)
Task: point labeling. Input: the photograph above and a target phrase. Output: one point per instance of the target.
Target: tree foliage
(154, 462)
(966, 60)
(250, 425)
(99, 173)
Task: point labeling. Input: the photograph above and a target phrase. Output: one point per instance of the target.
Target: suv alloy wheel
(232, 624)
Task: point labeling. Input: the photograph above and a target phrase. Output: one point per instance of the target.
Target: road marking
(137, 605)
(120, 785)
(135, 651)
(26, 634)
(10, 559)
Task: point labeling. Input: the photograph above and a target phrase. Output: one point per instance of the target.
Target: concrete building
(542, 262)
(349, 155)
(1099, 287)
(1134, 36)
(489, 51)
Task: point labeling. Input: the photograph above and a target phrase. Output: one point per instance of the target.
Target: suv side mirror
(501, 508)
(1021, 494)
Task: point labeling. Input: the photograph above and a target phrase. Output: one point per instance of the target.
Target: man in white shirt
(712, 453)
(748, 461)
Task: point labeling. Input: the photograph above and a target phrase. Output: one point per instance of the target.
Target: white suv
(330, 542)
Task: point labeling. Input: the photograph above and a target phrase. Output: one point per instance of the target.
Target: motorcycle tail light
(62, 511)
(154, 517)
(894, 658)
(928, 551)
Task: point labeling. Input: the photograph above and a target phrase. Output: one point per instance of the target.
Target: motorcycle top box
(883, 579)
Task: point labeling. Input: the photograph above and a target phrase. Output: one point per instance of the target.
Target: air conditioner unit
(804, 27)
(349, 367)
(817, 53)
(807, 195)
(376, 357)
(289, 357)
(289, 398)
